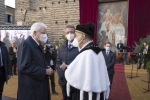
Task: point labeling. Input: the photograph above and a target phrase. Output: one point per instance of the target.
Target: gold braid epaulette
(94, 47)
(91, 46)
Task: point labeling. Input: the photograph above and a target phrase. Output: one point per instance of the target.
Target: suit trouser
(111, 79)
(14, 63)
(140, 62)
(64, 91)
(2, 80)
(52, 78)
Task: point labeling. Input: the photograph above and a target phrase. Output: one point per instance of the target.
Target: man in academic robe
(87, 76)
(110, 59)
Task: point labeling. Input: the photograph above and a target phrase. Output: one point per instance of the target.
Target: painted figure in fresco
(112, 29)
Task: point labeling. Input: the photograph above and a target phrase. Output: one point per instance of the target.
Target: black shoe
(55, 92)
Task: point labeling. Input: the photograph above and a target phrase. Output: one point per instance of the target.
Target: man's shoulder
(61, 47)
(103, 51)
(113, 53)
(24, 44)
(64, 46)
(2, 44)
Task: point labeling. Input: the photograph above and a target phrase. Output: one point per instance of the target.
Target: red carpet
(119, 89)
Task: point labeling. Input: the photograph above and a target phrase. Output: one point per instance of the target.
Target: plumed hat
(88, 29)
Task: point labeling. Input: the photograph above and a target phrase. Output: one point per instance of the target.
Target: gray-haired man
(33, 71)
(66, 54)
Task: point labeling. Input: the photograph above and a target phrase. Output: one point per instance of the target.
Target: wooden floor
(135, 85)
(10, 89)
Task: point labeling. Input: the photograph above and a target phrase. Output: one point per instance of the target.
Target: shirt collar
(108, 51)
(70, 43)
(84, 45)
(35, 41)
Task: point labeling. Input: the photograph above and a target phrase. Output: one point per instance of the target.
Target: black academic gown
(75, 93)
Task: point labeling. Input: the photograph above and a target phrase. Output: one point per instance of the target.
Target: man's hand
(63, 66)
(49, 71)
(8, 77)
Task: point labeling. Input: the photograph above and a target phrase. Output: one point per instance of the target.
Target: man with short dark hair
(50, 57)
(110, 59)
(5, 68)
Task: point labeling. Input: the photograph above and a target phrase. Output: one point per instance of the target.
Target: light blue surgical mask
(107, 48)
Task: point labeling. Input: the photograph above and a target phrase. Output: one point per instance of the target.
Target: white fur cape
(88, 73)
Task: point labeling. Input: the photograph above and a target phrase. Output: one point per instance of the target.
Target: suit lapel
(2, 53)
(110, 53)
(42, 52)
(39, 47)
(105, 55)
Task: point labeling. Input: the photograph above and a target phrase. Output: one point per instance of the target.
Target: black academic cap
(88, 29)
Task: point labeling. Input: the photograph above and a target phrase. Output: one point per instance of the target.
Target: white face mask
(70, 36)
(43, 38)
(75, 42)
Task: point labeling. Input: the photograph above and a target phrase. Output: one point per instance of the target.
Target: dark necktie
(107, 53)
(69, 47)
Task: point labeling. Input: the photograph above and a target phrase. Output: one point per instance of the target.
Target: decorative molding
(103, 1)
(15, 27)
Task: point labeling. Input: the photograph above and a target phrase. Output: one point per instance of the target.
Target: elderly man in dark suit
(33, 71)
(110, 59)
(5, 69)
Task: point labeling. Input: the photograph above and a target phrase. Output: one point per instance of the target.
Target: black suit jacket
(33, 83)
(48, 57)
(12, 54)
(55, 57)
(142, 49)
(67, 56)
(121, 47)
(110, 61)
(5, 59)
